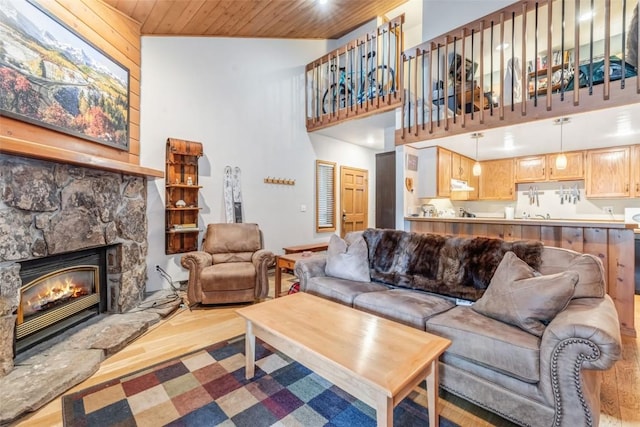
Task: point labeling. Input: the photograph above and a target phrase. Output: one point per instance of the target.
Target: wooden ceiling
(300, 19)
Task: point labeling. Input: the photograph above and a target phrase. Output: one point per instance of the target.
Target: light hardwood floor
(185, 331)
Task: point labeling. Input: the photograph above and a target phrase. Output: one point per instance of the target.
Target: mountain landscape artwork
(51, 77)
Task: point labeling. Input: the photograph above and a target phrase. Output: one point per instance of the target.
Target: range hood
(459, 185)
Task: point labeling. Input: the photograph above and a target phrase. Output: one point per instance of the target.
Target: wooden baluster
(549, 54)
(438, 85)
(576, 57)
(562, 70)
(473, 80)
(430, 89)
(591, 49)
(491, 71)
(377, 85)
(409, 91)
(624, 44)
(415, 104)
(455, 80)
(606, 94)
(513, 59)
(306, 88)
(445, 84)
(535, 49)
(351, 59)
(501, 107)
(463, 88)
(525, 72)
(404, 95)
(482, 70)
(424, 104)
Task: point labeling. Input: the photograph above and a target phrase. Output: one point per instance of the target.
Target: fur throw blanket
(460, 267)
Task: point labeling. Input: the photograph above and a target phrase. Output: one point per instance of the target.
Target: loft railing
(356, 80)
(528, 61)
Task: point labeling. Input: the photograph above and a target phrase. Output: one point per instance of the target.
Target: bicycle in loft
(380, 81)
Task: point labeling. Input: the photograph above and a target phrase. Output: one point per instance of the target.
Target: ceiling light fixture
(322, 1)
(561, 159)
(477, 169)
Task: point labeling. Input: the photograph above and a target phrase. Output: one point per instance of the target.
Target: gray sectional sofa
(531, 348)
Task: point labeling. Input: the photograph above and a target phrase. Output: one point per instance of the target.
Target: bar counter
(611, 241)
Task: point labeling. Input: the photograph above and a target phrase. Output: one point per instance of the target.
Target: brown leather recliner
(231, 267)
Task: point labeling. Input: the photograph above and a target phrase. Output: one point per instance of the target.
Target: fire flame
(56, 292)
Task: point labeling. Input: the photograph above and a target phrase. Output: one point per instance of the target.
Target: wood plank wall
(119, 37)
(614, 246)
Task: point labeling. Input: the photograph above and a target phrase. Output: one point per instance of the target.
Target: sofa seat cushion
(402, 305)
(340, 290)
(230, 276)
(489, 342)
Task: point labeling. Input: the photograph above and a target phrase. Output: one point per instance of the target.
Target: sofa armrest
(305, 269)
(195, 262)
(262, 259)
(581, 340)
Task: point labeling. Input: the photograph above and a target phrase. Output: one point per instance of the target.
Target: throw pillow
(520, 296)
(349, 262)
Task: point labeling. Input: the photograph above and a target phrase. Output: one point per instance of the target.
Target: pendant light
(477, 169)
(561, 159)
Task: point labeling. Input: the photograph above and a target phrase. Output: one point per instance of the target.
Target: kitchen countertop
(531, 221)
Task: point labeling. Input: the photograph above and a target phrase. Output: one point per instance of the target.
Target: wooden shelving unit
(542, 77)
(181, 219)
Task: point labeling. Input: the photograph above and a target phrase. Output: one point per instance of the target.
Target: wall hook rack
(281, 181)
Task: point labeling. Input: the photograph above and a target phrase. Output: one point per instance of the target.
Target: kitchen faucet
(544, 217)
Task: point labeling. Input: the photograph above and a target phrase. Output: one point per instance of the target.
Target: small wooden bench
(312, 247)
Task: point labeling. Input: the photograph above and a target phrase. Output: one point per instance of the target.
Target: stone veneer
(50, 208)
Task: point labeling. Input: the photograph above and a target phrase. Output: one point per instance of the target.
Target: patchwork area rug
(208, 388)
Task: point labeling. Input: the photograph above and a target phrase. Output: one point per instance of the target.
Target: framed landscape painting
(51, 77)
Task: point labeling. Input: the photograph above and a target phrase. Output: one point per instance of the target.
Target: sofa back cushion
(459, 267)
(468, 263)
(232, 238)
(591, 283)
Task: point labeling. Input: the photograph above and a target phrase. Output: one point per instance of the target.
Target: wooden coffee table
(374, 359)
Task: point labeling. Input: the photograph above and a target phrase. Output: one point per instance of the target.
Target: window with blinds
(325, 196)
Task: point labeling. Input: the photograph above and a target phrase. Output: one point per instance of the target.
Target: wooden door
(608, 172)
(354, 199)
(496, 180)
(574, 170)
(530, 169)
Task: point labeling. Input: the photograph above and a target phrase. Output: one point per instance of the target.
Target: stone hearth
(49, 208)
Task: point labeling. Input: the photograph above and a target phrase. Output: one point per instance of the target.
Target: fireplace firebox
(59, 292)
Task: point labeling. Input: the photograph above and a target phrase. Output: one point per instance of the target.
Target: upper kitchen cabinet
(496, 181)
(608, 173)
(543, 168)
(635, 165)
(438, 168)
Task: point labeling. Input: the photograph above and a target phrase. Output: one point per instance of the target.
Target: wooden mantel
(19, 147)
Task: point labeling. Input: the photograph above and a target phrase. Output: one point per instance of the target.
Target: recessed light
(502, 46)
(323, 1)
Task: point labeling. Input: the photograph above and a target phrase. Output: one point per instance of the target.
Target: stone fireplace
(48, 210)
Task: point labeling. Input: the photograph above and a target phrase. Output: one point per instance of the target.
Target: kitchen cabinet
(444, 172)
(608, 173)
(635, 164)
(496, 181)
(574, 170)
(181, 196)
(543, 168)
(437, 166)
(531, 169)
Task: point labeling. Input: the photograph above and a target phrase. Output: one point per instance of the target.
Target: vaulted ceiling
(296, 19)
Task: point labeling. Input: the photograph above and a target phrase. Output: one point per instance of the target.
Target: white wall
(441, 16)
(244, 100)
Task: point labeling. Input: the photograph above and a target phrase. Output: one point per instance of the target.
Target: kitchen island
(611, 241)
